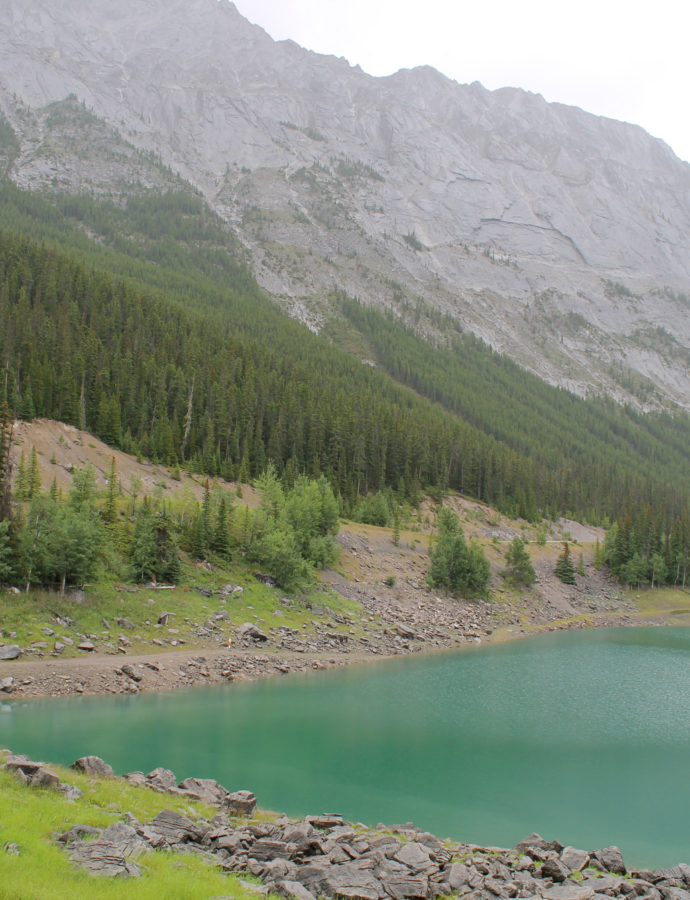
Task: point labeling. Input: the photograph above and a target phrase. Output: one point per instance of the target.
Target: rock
(32, 773)
(175, 828)
(555, 869)
(567, 891)
(87, 646)
(458, 876)
(328, 820)
(609, 859)
(293, 889)
(414, 855)
(58, 647)
(204, 789)
(70, 792)
(77, 833)
(7, 685)
(535, 842)
(252, 632)
(105, 859)
(10, 651)
(93, 765)
(131, 672)
(240, 803)
(575, 860)
(349, 881)
(401, 886)
(164, 617)
(162, 779)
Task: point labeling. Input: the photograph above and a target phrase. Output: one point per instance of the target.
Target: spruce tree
(519, 569)
(565, 570)
(33, 478)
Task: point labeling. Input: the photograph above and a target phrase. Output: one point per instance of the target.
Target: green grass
(28, 614)
(43, 870)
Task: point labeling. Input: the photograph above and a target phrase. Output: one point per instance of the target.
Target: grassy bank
(32, 817)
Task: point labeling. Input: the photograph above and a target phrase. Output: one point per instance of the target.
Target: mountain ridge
(508, 213)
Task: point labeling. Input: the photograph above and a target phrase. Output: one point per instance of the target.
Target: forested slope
(139, 320)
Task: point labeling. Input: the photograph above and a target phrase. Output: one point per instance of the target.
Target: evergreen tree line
(598, 454)
(54, 541)
(181, 387)
(642, 549)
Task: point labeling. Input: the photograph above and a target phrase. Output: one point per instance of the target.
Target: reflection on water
(583, 736)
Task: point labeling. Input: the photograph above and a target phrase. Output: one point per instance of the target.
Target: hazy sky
(619, 58)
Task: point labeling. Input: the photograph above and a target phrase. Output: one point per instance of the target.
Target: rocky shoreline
(325, 856)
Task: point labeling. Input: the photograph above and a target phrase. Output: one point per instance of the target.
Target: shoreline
(179, 669)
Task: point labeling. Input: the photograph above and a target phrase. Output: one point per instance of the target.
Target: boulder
(162, 779)
(574, 859)
(240, 803)
(10, 651)
(568, 891)
(536, 842)
(87, 646)
(31, 773)
(609, 859)
(131, 672)
(93, 765)
(105, 859)
(293, 889)
(348, 881)
(414, 855)
(555, 869)
(78, 833)
(251, 631)
(7, 685)
(177, 829)
(205, 789)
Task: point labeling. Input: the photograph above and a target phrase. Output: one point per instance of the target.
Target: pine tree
(519, 569)
(581, 565)
(5, 461)
(565, 570)
(33, 478)
(109, 512)
(21, 488)
(396, 525)
(221, 541)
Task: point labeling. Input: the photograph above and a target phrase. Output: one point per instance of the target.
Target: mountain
(558, 237)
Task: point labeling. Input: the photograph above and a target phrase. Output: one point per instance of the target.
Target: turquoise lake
(582, 736)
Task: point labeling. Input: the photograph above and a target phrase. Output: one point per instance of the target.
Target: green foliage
(519, 568)
(565, 570)
(44, 870)
(6, 554)
(641, 548)
(294, 531)
(154, 554)
(157, 337)
(58, 543)
(457, 567)
(375, 509)
(389, 581)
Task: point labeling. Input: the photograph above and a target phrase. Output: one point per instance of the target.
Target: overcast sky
(618, 58)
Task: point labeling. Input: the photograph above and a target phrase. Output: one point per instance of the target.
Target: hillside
(556, 236)
(373, 602)
(159, 340)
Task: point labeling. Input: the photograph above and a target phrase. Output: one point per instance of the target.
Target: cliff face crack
(547, 228)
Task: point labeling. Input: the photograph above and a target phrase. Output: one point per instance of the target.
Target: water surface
(581, 736)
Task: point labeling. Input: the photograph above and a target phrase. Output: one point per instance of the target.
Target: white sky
(620, 58)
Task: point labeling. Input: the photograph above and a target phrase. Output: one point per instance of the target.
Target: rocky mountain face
(559, 237)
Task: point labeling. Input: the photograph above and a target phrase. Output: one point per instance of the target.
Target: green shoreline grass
(31, 817)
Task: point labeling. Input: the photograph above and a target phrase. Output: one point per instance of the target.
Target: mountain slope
(557, 236)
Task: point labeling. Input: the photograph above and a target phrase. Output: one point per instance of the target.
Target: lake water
(582, 736)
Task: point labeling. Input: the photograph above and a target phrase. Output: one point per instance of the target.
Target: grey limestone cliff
(559, 237)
